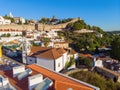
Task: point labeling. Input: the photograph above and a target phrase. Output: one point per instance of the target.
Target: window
(35, 61)
(58, 64)
(30, 59)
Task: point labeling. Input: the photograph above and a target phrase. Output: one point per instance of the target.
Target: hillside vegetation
(96, 80)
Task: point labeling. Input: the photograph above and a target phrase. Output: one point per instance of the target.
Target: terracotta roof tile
(45, 52)
(60, 82)
(72, 51)
(35, 49)
(50, 54)
(61, 50)
(86, 55)
(60, 43)
(60, 85)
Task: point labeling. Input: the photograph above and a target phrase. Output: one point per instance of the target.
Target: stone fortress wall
(56, 27)
(38, 26)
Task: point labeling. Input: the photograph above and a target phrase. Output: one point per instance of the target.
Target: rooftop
(45, 52)
(60, 81)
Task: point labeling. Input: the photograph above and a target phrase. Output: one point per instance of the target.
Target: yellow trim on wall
(0, 51)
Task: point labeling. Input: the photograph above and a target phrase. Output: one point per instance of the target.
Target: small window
(58, 64)
(30, 60)
(35, 61)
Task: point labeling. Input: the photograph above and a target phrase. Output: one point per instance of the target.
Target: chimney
(5, 81)
(17, 70)
(33, 81)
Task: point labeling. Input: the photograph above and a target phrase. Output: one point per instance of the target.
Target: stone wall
(57, 27)
(19, 27)
(37, 26)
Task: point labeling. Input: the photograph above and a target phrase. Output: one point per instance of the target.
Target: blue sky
(102, 13)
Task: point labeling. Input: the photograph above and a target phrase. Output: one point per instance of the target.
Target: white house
(17, 19)
(51, 58)
(4, 21)
(97, 63)
(1, 20)
(99, 35)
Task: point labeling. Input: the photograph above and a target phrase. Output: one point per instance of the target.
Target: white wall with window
(4, 21)
(59, 64)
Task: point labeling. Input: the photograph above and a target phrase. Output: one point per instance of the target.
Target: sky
(102, 13)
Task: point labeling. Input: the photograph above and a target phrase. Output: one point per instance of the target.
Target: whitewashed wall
(59, 64)
(76, 56)
(98, 63)
(65, 58)
(46, 63)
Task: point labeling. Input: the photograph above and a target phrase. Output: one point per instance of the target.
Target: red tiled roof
(72, 51)
(50, 54)
(86, 55)
(9, 30)
(45, 52)
(60, 43)
(35, 49)
(60, 82)
(61, 50)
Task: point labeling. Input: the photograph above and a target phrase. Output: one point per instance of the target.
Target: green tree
(69, 63)
(8, 35)
(26, 22)
(20, 23)
(78, 26)
(16, 35)
(115, 45)
(46, 41)
(98, 29)
(96, 79)
(85, 61)
(10, 18)
(44, 21)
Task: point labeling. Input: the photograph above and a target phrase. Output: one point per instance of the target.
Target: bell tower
(24, 53)
(25, 47)
(10, 15)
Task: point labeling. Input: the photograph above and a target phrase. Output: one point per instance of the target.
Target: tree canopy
(78, 25)
(10, 18)
(96, 79)
(44, 20)
(85, 61)
(115, 45)
(87, 40)
(81, 24)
